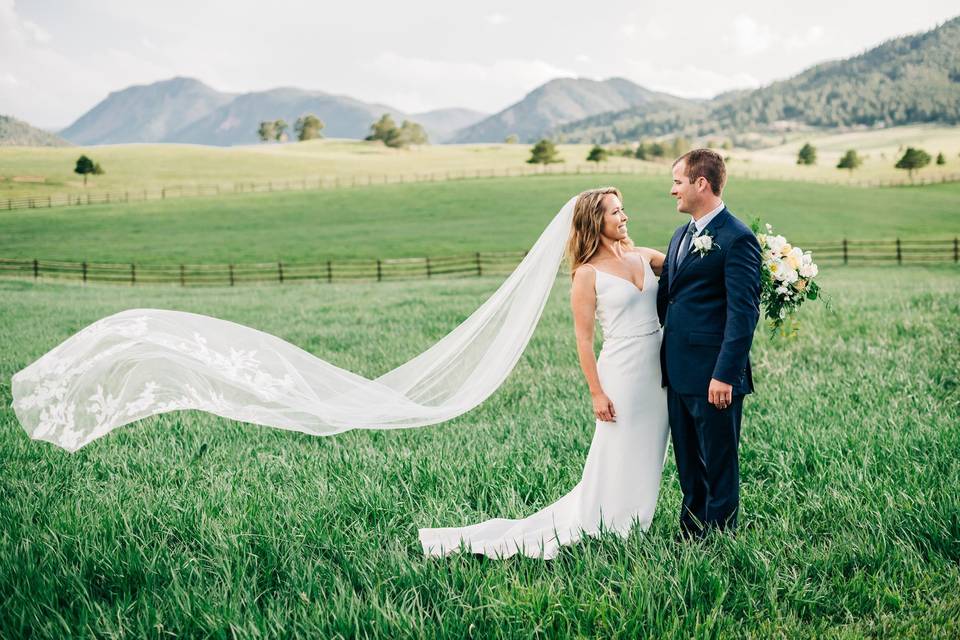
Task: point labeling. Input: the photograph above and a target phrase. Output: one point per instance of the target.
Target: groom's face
(686, 193)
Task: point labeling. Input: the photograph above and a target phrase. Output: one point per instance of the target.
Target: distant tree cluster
(658, 150)
(387, 131)
(307, 127)
(85, 166)
(912, 160)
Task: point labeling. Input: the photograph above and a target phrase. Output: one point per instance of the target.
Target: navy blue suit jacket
(709, 307)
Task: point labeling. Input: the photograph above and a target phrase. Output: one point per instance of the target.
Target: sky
(59, 58)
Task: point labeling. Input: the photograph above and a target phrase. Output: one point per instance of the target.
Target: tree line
(913, 159)
(310, 127)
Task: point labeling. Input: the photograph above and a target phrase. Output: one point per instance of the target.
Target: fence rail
(336, 182)
(475, 264)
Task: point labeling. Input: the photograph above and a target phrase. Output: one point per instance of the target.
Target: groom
(708, 302)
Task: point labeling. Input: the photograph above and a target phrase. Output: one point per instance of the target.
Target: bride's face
(614, 218)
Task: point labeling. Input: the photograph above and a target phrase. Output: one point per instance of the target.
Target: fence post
(329, 272)
(956, 249)
(844, 251)
(479, 270)
(49, 202)
(429, 274)
(133, 274)
(899, 253)
(379, 271)
(36, 268)
(230, 267)
(280, 271)
(84, 272)
(183, 277)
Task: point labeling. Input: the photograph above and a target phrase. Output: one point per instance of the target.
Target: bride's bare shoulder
(653, 256)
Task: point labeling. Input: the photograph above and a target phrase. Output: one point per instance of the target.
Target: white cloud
(582, 58)
(688, 81)
(418, 84)
(810, 37)
(749, 36)
(629, 30)
(9, 78)
(496, 18)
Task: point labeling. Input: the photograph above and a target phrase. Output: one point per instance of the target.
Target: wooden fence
(382, 270)
(335, 182)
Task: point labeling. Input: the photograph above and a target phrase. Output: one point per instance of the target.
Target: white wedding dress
(143, 362)
(621, 478)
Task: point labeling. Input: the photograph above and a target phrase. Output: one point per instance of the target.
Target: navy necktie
(685, 242)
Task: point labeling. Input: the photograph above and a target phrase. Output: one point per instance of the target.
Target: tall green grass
(186, 524)
(445, 218)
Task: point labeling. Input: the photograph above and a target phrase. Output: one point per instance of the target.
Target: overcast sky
(58, 58)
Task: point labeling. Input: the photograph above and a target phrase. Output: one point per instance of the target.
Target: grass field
(504, 214)
(186, 524)
(880, 149)
(41, 171)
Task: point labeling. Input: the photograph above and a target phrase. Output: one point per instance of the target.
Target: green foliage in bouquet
(786, 280)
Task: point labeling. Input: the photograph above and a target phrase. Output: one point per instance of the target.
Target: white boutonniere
(704, 244)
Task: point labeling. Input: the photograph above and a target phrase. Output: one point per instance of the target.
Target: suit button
(671, 300)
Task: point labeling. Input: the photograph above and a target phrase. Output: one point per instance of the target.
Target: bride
(142, 362)
(613, 281)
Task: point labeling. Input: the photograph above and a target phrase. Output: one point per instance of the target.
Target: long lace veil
(141, 362)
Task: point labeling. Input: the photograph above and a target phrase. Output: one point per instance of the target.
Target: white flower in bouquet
(787, 274)
(808, 270)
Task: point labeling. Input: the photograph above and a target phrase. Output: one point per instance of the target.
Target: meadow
(40, 172)
(446, 218)
(186, 524)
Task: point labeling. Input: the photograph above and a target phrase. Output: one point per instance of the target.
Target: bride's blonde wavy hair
(587, 222)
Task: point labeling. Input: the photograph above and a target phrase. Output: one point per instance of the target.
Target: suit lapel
(715, 224)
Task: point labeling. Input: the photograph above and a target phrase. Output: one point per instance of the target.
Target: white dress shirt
(705, 220)
(700, 226)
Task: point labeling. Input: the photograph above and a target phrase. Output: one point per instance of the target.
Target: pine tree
(85, 166)
(850, 160)
(598, 154)
(940, 159)
(912, 160)
(544, 152)
(807, 155)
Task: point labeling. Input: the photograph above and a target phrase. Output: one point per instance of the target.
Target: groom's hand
(719, 394)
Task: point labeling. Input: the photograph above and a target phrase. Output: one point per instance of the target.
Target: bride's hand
(603, 407)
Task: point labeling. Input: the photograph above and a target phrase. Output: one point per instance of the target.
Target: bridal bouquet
(786, 279)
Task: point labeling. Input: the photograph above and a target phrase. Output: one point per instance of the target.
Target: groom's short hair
(706, 163)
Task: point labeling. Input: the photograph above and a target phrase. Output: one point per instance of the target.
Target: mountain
(441, 124)
(906, 80)
(560, 101)
(145, 113)
(186, 110)
(237, 121)
(17, 133)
